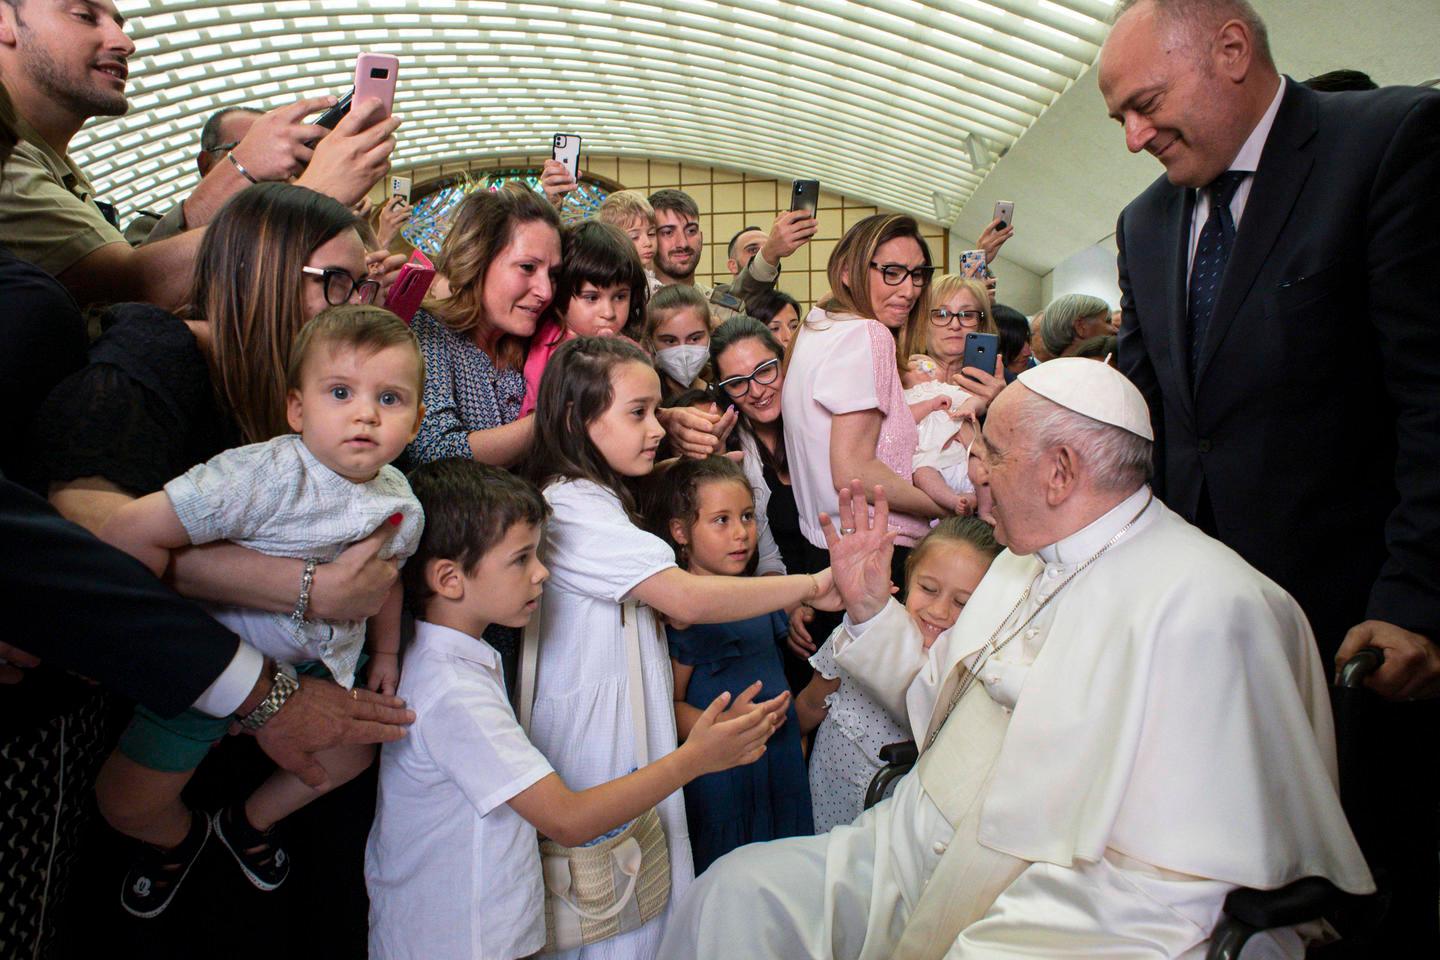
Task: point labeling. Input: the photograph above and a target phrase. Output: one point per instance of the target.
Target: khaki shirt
(47, 207)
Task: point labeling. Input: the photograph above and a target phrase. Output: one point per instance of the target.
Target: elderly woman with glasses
(843, 403)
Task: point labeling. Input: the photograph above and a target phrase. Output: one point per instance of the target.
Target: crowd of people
(603, 559)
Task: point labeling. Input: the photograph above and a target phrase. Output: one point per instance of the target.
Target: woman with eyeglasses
(161, 393)
(843, 403)
(937, 391)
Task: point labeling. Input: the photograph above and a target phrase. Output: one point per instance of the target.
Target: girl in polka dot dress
(940, 574)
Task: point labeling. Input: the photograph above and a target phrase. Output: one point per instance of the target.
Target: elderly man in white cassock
(1125, 723)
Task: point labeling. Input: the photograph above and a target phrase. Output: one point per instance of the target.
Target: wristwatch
(282, 686)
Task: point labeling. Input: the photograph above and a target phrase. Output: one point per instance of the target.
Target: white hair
(1116, 459)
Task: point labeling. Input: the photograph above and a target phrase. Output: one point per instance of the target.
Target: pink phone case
(409, 289)
(375, 75)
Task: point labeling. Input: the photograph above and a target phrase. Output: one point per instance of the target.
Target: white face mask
(684, 363)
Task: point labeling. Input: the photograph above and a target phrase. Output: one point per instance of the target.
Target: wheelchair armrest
(1304, 900)
(899, 753)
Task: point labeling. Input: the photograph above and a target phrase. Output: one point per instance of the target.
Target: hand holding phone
(981, 349)
(567, 151)
(973, 264)
(1004, 212)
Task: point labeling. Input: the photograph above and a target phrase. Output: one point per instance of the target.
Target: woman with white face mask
(677, 335)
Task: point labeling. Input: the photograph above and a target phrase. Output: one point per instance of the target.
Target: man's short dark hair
(1336, 81)
(676, 201)
(730, 250)
(210, 133)
(469, 508)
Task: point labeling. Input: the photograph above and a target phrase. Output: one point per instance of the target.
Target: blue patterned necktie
(1217, 238)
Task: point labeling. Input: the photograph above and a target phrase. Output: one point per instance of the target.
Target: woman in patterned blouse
(500, 258)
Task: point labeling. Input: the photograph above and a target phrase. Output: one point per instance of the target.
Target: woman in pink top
(844, 410)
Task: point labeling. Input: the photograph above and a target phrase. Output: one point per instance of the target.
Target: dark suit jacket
(1311, 428)
(80, 604)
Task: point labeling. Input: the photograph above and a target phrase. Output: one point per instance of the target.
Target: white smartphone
(1004, 212)
(567, 151)
(400, 187)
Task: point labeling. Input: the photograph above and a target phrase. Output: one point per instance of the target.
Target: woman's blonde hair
(249, 287)
(852, 257)
(945, 286)
(483, 228)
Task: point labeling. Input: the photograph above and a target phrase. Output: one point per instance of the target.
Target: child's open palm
(731, 737)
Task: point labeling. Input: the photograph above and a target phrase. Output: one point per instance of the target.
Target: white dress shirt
(1248, 160)
(453, 872)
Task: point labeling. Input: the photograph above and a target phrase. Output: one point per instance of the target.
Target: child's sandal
(155, 876)
(262, 860)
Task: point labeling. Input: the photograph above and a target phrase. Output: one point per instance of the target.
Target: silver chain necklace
(991, 647)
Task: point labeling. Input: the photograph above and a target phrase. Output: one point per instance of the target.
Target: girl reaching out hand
(596, 435)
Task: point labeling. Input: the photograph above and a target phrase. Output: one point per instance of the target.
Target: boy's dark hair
(1338, 81)
(600, 254)
(359, 326)
(730, 247)
(677, 201)
(678, 496)
(469, 508)
(574, 391)
(1013, 328)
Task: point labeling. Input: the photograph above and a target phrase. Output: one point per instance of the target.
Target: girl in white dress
(940, 574)
(595, 436)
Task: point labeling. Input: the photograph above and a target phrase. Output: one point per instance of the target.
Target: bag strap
(530, 655)
(630, 622)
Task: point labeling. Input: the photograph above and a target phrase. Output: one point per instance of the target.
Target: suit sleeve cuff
(223, 697)
(854, 631)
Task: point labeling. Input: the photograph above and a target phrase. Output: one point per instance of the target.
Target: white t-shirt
(453, 872)
(831, 372)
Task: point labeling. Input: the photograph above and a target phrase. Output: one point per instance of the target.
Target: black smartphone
(805, 195)
(981, 350)
(335, 114)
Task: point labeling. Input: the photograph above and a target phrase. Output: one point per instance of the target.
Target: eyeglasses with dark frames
(969, 319)
(895, 274)
(765, 374)
(340, 287)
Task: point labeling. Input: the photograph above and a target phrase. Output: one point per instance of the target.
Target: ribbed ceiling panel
(877, 99)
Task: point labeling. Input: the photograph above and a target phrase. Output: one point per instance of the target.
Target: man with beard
(63, 63)
(679, 242)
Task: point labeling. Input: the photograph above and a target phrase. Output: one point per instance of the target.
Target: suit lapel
(1284, 166)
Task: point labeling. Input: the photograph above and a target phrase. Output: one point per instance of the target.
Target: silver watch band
(284, 683)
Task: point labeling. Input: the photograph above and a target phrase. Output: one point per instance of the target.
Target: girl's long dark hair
(678, 498)
(724, 337)
(574, 392)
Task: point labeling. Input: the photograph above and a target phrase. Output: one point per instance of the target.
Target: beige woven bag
(597, 892)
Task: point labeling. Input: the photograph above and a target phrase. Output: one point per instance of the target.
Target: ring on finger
(846, 531)
(354, 693)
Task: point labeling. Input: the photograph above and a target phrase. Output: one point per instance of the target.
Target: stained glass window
(435, 211)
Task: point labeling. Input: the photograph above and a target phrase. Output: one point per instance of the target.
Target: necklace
(991, 647)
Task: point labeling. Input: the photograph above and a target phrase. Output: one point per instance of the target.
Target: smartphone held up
(375, 76)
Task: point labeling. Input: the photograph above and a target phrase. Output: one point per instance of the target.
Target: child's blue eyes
(340, 393)
(389, 399)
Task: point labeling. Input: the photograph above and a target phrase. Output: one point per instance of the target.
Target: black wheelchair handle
(1365, 662)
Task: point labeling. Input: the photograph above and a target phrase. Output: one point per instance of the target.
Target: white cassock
(1170, 740)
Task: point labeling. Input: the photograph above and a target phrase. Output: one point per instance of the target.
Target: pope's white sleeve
(884, 655)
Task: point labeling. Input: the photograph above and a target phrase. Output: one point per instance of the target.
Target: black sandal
(155, 876)
(262, 860)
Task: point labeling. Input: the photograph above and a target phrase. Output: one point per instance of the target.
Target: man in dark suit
(1279, 287)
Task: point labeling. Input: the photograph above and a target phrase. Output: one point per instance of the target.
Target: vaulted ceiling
(902, 103)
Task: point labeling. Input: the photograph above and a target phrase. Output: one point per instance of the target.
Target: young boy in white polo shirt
(453, 863)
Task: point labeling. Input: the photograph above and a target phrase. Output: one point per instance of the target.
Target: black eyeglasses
(894, 274)
(969, 319)
(340, 287)
(224, 147)
(764, 374)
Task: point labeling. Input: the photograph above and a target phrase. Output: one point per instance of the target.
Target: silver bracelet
(307, 580)
(243, 172)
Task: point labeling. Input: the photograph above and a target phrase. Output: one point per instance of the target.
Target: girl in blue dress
(710, 520)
